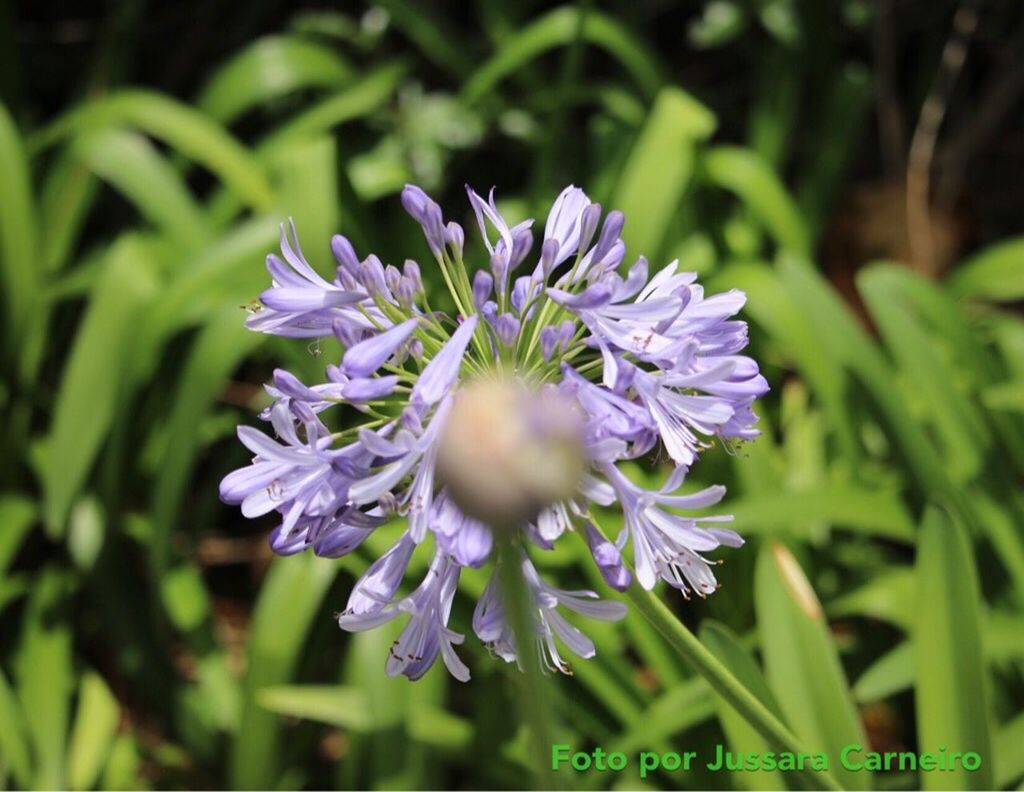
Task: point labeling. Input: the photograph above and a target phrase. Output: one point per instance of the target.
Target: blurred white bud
(507, 451)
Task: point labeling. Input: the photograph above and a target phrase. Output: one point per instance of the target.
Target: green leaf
(439, 728)
(871, 513)
(774, 307)
(996, 273)
(225, 273)
(19, 270)
(16, 517)
(14, 744)
(843, 339)
(1009, 764)
(222, 344)
(45, 677)
(659, 169)
(743, 738)
(839, 128)
(289, 600)
(888, 596)
(122, 770)
(184, 596)
(951, 688)
(179, 126)
(964, 434)
(269, 68)
(430, 31)
(132, 165)
(334, 704)
(93, 734)
(560, 28)
(752, 180)
(801, 661)
(673, 712)
(720, 23)
(94, 378)
(357, 100)
(891, 673)
(67, 194)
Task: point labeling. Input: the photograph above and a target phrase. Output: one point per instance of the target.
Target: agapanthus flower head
(514, 411)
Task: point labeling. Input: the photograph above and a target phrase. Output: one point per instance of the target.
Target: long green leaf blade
(951, 687)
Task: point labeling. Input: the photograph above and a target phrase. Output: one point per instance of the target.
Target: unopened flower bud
(507, 451)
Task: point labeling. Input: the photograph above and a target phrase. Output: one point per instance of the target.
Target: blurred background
(855, 166)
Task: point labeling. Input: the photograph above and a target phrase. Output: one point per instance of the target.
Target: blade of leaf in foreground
(891, 673)
(94, 378)
(334, 704)
(289, 600)
(13, 738)
(951, 694)
(93, 733)
(725, 683)
(743, 738)
(16, 516)
(1009, 758)
(18, 266)
(45, 677)
(801, 661)
(996, 273)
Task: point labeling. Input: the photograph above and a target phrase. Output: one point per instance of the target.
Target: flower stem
(723, 682)
(532, 698)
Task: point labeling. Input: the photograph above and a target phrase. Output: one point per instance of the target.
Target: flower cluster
(648, 362)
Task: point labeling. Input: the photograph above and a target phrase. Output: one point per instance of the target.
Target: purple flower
(586, 369)
(491, 626)
(299, 302)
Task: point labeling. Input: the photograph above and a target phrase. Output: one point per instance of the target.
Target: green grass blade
(220, 347)
(866, 512)
(94, 378)
(179, 126)
(996, 273)
(14, 743)
(751, 179)
(1009, 766)
(45, 677)
(131, 164)
(431, 32)
(951, 687)
(336, 705)
(892, 673)
(775, 309)
(560, 28)
(957, 421)
(659, 169)
(17, 514)
(290, 599)
(889, 596)
(801, 661)
(267, 69)
(743, 738)
(19, 268)
(356, 100)
(724, 682)
(93, 734)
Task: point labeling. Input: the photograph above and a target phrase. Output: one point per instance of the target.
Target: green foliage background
(147, 639)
